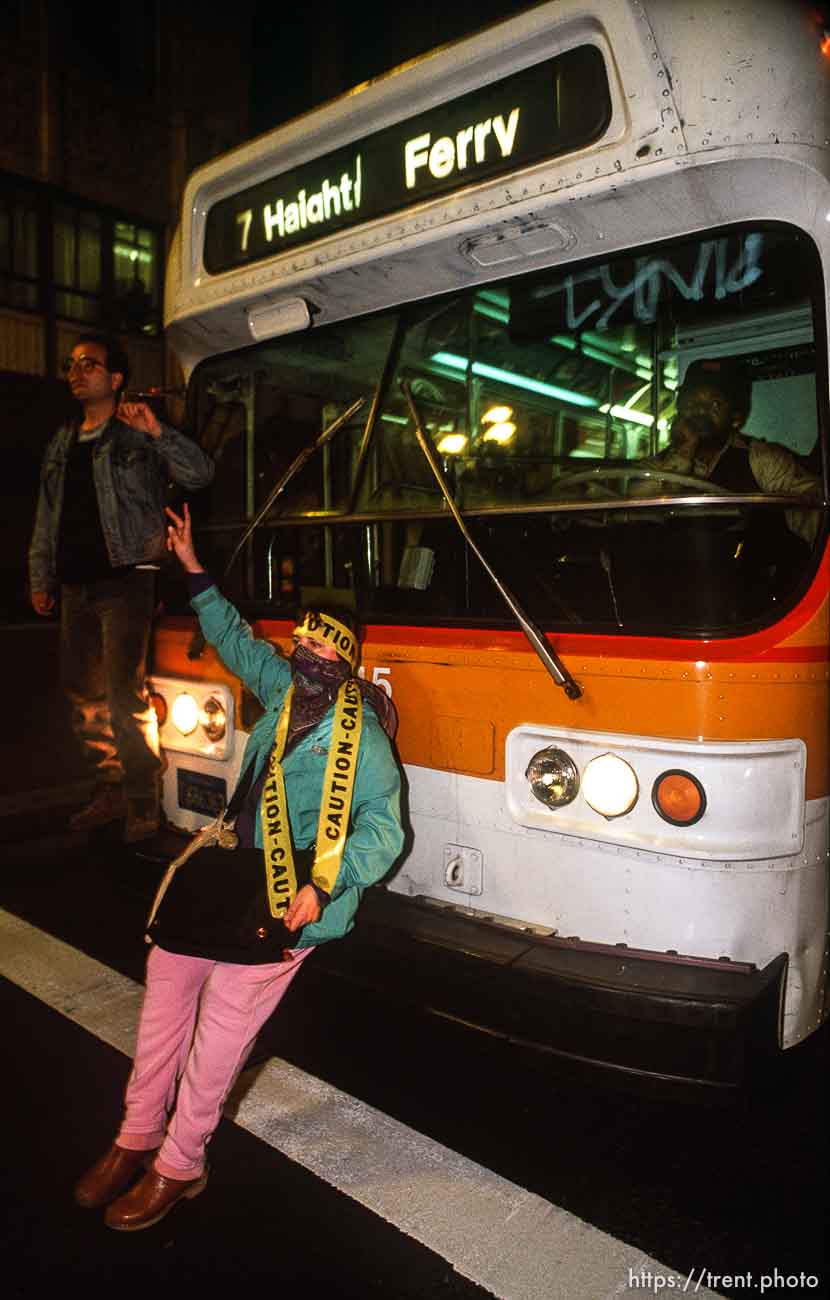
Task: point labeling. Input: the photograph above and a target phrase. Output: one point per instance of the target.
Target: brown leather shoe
(109, 1177)
(149, 1201)
(142, 820)
(107, 805)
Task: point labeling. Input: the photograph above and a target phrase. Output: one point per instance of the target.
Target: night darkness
(306, 54)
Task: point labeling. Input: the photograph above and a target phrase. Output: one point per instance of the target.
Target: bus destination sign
(538, 113)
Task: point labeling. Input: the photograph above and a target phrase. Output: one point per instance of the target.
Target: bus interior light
(493, 313)
(625, 413)
(484, 371)
(499, 433)
(452, 444)
(610, 786)
(185, 713)
(679, 797)
(497, 415)
(553, 777)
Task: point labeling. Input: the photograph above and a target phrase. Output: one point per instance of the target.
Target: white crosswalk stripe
(513, 1243)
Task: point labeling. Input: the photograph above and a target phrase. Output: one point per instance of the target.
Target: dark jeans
(105, 631)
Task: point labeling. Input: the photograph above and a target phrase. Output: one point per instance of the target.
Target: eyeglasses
(693, 398)
(86, 365)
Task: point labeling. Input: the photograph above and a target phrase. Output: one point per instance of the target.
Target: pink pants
(198, 1024)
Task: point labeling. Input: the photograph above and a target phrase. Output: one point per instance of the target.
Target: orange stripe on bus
(460, 691)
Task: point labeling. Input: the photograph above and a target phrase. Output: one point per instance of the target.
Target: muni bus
(434, 334)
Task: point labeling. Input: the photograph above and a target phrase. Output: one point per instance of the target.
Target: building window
(18, 251)
(77, 263)
(135, 277)
(99, 269)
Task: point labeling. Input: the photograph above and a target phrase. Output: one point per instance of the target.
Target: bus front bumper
(656, 1016)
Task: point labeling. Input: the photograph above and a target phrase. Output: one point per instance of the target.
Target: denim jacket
(130, 471)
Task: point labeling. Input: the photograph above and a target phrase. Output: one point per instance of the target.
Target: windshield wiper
(605, 561)
(390, 365)
(197, 644)
(535, 636)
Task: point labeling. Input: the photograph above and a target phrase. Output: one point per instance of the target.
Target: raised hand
(139, 417)
(180, 540)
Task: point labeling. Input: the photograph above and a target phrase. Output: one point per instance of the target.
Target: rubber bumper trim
(659, 1015)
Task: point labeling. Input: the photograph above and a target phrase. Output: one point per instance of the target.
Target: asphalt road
(731, 1196)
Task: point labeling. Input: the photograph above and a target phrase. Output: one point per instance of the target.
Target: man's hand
(180, 540)
(139, 417)
(685, 436)
(304, 909)
(43, 602)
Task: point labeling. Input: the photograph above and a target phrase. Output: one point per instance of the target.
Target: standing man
(99, 537)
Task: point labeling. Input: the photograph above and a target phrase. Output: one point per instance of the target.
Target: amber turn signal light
(679, 797)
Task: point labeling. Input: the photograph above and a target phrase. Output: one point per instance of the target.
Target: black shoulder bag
(213, 902)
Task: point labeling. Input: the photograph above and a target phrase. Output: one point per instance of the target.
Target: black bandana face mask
(329, 673)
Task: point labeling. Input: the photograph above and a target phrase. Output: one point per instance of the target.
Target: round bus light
(159, 706)
(610, 786)
(213, 719)
(679, 797)
(553, 777)
(185, 713)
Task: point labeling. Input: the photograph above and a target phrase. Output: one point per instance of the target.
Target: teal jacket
(376, 837)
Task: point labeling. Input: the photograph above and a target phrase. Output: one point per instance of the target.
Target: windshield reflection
(574, 415)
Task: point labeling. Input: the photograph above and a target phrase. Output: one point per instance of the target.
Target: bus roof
(706, 104)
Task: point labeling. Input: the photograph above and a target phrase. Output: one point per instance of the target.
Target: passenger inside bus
(706, 442)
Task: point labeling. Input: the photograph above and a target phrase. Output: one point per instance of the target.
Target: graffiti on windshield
(720, 270)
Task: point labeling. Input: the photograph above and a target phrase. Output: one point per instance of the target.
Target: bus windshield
(635, 444)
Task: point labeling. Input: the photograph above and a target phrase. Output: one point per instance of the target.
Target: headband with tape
(322, 627)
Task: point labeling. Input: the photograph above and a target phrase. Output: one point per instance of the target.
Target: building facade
(103, 113)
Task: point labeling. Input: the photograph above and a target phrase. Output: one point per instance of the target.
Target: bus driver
(706, 441)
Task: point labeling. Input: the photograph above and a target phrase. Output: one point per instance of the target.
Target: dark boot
(107, 805)
(143, 819)
(149, 1201)
(110, 1176)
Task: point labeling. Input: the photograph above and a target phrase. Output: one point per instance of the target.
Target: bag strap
(206, 836)
(240, 794)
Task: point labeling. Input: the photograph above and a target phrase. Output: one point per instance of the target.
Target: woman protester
(320, 786)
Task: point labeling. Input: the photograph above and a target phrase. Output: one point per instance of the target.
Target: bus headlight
(679, 797)
(185, 713)
(553, 777)
(213, 719)
(194, 717)
(610, 786)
